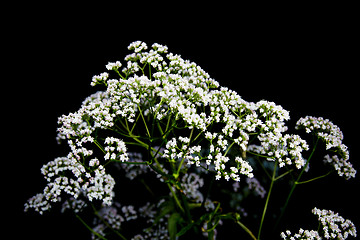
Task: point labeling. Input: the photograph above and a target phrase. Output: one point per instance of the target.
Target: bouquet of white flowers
(165, 132)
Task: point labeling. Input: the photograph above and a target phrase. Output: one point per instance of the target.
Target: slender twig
(132, 129)
(283, 175)
(176, 198)
(146, 127)
(262, 166)
(246, 229)
(228, 149)
(89, 228)
(267, 200)
(313, 179)
(99, 146)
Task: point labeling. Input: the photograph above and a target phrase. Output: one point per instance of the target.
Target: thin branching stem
(267, 200)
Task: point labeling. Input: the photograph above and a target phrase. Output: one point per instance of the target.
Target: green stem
(160, 129)
(89, 228)
(259, 155)
(147, 186)
(108, 225)
(284, 174)
(186, 206)
(176, 175)
(313, 179)
(142, 116)
(228, 149)
(99, 146)
(267, 200)
(176, 198)
(150, 71)
(246, 229)
(117, 71)
(134, 124)
(295, 184)
(168, 123)
(262, 166)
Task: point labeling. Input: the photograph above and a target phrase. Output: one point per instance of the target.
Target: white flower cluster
(333, 137)
(284, 149)
(255, 185)
(137, 46)
(134, 170)
(76, 205)
(171, 109)
(113, 66)
(120, 148)
(174, 152)
(301, 235)
(181, 89)
(269, 119)
(112, 217)
(333, 226)
(243, 167)
(191, 183)
(343, 168)
(157, 231)
(325, 130)
(94, 185)
(100, 79)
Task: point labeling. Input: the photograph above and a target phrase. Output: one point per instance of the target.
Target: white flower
(244, 167)
(94, 162)
(112, 66)
(325, 130)
(137, 46)
(99, 79)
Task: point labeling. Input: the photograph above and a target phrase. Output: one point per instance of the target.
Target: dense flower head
(331, 134)
(94, 185)
(332, 226)
(325, 130)
(343, 168)
(301, 234)
(285, 149)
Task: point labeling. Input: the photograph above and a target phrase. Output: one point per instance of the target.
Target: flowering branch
(161, 121)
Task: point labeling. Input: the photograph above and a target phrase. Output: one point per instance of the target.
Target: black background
(305, 62)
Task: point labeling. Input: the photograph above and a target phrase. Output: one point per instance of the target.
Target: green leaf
(166, 208)
(230, 215)
(172, 224)
(194, 205)
(185, 229)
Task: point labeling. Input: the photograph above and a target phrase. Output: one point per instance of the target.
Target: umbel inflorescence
(161, 117)
(331, 226)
